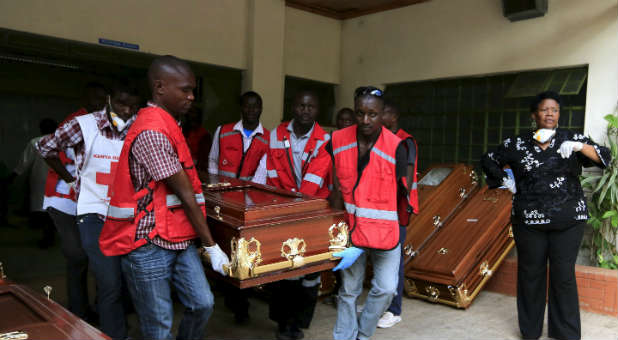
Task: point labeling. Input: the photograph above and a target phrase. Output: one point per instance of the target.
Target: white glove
(567, 148)
(509, 183)
(217, 258)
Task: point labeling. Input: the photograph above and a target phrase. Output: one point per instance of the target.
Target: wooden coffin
(456, 263)
(271, 234)
(441, 190)
(25, 314)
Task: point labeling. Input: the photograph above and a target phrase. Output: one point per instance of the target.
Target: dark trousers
(293, 301)
(237, 300)
(41, 219)
(108, 275)
(535, 247)
(395, 306)
(77, 262)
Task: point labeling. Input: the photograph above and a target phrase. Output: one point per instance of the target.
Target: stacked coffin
(459, 238)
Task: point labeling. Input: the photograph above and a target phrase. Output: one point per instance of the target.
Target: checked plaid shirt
(153, 158)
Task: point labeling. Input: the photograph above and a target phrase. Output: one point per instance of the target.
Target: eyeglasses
(368, 91)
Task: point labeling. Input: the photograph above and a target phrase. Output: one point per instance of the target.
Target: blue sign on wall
(116, 43)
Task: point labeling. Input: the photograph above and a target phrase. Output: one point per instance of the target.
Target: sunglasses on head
(368, 91)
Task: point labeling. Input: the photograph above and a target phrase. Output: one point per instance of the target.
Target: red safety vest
(233, 161)
(316, 162)
(371, 200)
(123, 216)
(412, 197)
(52, 177)
(194, 141)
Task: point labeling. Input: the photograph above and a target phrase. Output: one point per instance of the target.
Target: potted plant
(603, 203)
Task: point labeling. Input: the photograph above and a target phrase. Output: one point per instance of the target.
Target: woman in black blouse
(549, 215)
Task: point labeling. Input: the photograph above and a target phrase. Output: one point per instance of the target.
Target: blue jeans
(383, 288)
(150, 271)
(395, 306)
(107, 272)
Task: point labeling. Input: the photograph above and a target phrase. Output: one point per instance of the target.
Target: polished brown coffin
(271, 234)
(456, 263)
(441, 191)
(25, 314)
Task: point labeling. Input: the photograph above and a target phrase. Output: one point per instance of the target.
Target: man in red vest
(405, 205)
(97, 139)
(297, 161)
(157, 212)
(370, 172)
(239, 149)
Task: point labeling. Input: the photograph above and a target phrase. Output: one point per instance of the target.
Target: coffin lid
(245, 203)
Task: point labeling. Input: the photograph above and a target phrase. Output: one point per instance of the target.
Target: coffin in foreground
(271, 234)
(25, 314)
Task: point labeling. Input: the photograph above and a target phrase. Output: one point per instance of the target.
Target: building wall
(312, 46)
(444, 39)
(188, 29)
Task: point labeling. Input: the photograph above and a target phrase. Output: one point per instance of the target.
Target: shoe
(388, 320)
(289, 332)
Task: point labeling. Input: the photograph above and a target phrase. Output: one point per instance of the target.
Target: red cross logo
(107, 178)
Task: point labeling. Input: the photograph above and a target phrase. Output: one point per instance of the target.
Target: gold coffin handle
(246, 255)
(16, 335)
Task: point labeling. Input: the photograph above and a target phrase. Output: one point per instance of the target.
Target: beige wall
(435, 39)
(264, 73)
(188, 29)
(446, 38)
(312, 46)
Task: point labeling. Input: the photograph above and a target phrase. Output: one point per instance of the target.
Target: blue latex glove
(348, 257)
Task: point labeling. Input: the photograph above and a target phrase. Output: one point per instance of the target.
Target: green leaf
(612, 120)
(610, 213)
(614, 221)
(604, 178)
(608, 185)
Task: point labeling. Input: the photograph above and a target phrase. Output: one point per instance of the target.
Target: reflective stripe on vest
(227, 173)
(313, 178)
(120, 213)
(383, 155)
(344, 148)
(261, 139)
(229, 133)
(245, 178)
(172, 200)
(371, 213)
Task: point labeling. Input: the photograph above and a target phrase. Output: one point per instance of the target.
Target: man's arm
(335, 198)
(66, 136)
(55, 164)
(180, 185)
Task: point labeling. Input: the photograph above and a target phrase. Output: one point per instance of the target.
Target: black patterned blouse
(548, 187)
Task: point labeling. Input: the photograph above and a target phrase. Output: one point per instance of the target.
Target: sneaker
(388, 320)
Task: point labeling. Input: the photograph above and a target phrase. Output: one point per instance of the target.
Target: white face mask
(544, 135)
(116, 120)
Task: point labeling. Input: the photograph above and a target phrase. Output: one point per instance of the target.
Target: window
(457, 120)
